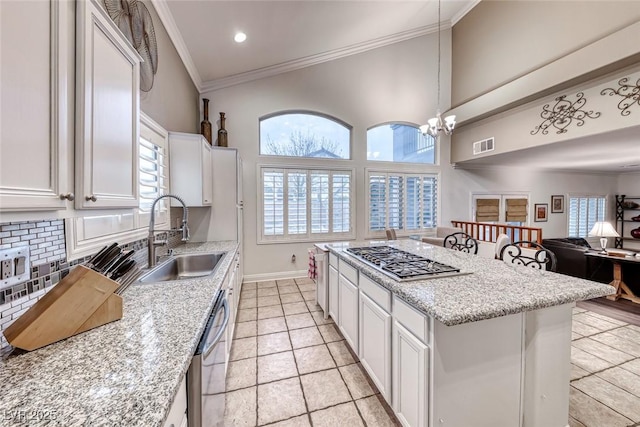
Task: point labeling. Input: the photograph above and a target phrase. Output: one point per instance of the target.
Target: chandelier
(437, 124)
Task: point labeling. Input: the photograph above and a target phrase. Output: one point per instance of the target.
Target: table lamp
(603, 229)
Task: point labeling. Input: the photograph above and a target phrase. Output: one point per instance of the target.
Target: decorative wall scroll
(563, 113)
(630, 95)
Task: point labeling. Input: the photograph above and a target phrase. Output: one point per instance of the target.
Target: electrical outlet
(7, 268)
(15, 266)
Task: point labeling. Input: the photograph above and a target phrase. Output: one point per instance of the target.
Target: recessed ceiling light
(240, 37)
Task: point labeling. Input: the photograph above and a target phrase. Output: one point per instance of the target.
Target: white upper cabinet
(35, 107)
(190, 167)
(107, 106)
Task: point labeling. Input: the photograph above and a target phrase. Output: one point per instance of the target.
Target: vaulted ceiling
(285, 35)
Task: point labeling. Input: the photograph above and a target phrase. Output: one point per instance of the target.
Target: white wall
(173, 99)
(393, 83)
(539, 184)
(503, 40)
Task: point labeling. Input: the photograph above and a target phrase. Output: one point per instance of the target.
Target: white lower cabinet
(410, 377)
(375, 343)
(178, 413)
(348, 311)
(333, 293)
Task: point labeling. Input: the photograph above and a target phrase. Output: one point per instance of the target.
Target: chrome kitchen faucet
(152, 243)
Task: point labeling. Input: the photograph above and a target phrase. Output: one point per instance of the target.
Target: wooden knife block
(83, 300)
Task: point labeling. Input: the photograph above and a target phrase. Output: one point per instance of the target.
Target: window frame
(605, 215)
(375, 234)
(502, 205)
(311, 113)
(382, 163)
(308, 236)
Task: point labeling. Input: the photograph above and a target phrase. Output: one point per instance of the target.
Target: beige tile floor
(605, 372)
(290, 367)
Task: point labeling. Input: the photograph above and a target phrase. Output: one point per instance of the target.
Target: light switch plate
(15, 266)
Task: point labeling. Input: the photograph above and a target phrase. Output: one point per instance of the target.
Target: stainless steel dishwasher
(206, 375)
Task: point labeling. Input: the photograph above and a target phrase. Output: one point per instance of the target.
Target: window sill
(312, 239)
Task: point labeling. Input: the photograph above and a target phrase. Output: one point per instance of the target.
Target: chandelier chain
(439, 3)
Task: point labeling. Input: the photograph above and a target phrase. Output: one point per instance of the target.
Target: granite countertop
(125, 373)
(492, 289)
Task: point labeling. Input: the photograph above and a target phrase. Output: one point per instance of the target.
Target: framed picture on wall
(557, 204)
(540, 212)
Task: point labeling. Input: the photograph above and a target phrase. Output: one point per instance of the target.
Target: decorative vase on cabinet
(205, 125)
(635, 233)
(222, 132)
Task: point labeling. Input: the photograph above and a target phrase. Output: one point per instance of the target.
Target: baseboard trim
(274, 276)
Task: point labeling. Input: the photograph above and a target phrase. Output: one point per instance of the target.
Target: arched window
(400, 142)
(304, 134)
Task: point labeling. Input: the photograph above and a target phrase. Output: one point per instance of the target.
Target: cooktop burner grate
(402, 265)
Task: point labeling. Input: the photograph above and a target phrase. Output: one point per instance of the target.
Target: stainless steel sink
(184, 266)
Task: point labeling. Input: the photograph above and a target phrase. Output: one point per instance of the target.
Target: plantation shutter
(319, 202)
(584, 212)
(487, 210)
(273, 202)
(396, 202)
(152, 176)
(516, 210)
(377, 202)
(341, 189)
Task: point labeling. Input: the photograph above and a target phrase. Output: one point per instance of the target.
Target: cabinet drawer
(333, 260)
(377, 293)
(349, 272)
(416, 322)
(178, 408)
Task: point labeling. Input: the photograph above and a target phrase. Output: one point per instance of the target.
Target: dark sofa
(569, 252)
(571, 260)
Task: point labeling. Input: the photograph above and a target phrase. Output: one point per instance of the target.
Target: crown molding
(458, 16)
(162, 8)
(320, 58)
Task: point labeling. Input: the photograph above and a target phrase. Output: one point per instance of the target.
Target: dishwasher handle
(207, 350)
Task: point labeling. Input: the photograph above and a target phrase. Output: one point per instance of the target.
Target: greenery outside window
(304, 134)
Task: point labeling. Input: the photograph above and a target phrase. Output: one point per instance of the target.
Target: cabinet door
(107, 105)
(207, 175)
(348, 311)
(36, 107)
(178, 408)
(333, 293)
(191, 169)
(322, 267)
(231, 300)
(238, 284)
(375, 344)
(410, 378)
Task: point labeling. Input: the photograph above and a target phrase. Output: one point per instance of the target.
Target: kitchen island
(125, 373)
(489, 347)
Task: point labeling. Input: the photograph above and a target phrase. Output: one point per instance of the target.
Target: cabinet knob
(91, 198)
(69, 196)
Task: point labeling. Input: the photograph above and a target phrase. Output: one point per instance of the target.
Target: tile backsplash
(49, 265)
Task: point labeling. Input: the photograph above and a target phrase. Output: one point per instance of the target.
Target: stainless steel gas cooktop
(400, 265)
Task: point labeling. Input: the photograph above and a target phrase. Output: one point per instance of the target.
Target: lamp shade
(603, 229)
